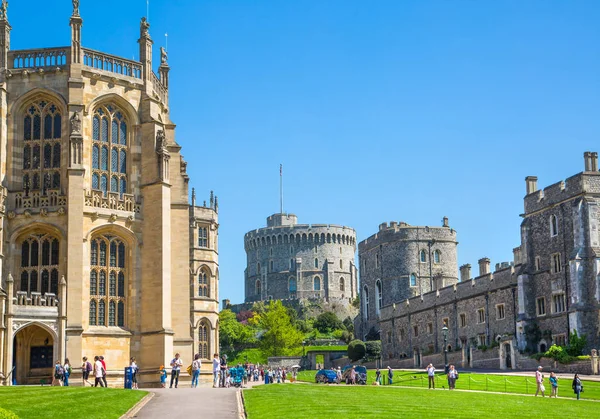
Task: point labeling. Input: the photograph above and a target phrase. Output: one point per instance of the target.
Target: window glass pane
(27, 157)
(36, 157)
(102, 284)
(112, 285)
(25, 254)
(113, 254)
(47, 155)
(57, 126)
(92, 313)
(34, 253)
(96, 129)
(103, 183)
(45, 282)
(27, 128)
(95, 181)
(101, 313)
(121, 314)
(48, 126)
(95, 157)
(114, 160)
(104, 159)
(37, 127)
(114, 184)
(36, 182)
(46, 252)
(121, 285)
(94, 254)
(33, 283)
(102, 253)
(111, 313)
(121, 255)
(123, 139)
(115, 132)
(56, 156)
(24, 281)
(56, 180)
(123, 186)
(123, 162)
(94, 283)
(104, 130)
(55, 251)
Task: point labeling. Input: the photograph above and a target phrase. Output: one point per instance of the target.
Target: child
(163, 376)
(554, 382)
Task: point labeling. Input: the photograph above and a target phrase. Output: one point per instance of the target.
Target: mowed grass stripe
(71, 402)
(309, 401)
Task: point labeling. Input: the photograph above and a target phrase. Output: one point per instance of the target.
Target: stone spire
(146, 53)
(76, 24)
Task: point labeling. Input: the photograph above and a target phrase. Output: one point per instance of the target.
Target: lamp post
(445, 333)
(303, 343)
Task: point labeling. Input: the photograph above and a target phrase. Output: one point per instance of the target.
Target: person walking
(577, 386)
(554, 385)
(196, 365)
(86, 368)
(431, 376)
(98, 372)
(452, 375)
(176, 364)
(66, 372)
(104, 369)
(223, 367)
(378, 376)
(338, 375)
(58, 375)
(390, 375)
(134, 370)
(163, 376)
(216, 368)
(539, 379)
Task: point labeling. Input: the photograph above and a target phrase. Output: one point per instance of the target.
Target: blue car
(326, 376)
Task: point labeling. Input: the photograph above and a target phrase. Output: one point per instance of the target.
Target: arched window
(317, 283)
(291, 264)
(204, 340)
(109, 150)
(42, 134)
(413, 280)
(258, 268)
(342, 284)
(203, 284)
(316, 263)
(423, 256)
(437, 256)
(553, 225)
(292, 284)
(379, 291)
(107, 281)
(203, 237)
(39, 264)
(257, 288)
(365, 301)
(341, 264)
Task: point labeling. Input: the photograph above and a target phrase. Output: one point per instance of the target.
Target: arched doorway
(33, 355)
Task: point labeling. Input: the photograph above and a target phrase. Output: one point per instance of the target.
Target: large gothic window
(42, 132)
(204, 340)
(39, 264)
(203, 284)
(109, 150)
(107, 281)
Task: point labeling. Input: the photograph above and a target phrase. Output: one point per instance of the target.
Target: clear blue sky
(379, 110)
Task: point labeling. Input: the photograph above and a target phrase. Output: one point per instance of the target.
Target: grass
(68, 402)
(309, 401)
(474, 381)
(325, 348)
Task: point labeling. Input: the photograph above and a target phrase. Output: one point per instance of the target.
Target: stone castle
(550, 289)
(287, 260)
(101, 251)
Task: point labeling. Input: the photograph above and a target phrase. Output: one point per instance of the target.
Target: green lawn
(68, 402)
(475, 381)
(297, 401)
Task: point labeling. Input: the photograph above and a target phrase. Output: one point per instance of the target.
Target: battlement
(300, 233)
(401, 231)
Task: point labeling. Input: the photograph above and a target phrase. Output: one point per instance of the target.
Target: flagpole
(281, 188)
(148, 10)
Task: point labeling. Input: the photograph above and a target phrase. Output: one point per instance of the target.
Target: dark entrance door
(508, 358)
(41, 357)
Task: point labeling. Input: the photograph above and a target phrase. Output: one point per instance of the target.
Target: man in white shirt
(539, 379)
(176, 364)
(431, 376)
(216, 369)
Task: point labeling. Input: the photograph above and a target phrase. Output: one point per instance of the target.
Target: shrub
(6, 414)
(356, 350)
(558, 353)
(328, 322)
(349, 324)
(347, 336)
(576, 344)
(372, 350)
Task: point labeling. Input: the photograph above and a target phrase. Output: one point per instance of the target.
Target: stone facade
(290, 260)
(549, 290)
(94, 209)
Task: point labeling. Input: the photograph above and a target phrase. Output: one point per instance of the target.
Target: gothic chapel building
(100, 251)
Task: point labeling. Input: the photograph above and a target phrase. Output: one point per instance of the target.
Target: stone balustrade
(35, 299)
(38, 58)
(35, 200)
(112, 201)
(112, 63)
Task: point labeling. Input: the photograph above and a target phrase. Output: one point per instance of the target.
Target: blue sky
(379, 110)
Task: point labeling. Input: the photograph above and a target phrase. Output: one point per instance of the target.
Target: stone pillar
(531, 182)
(8, 337)
(62, 319)
(594, 158)
(484, 266)
(587, 160)
(76, 51)
(5, 29)
(594, 361)
(465, 272)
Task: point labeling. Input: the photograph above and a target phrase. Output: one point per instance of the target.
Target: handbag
(542, 388)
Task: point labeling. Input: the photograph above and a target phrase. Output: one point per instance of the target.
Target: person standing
(577, 386)
(452, 374)
(378, 376)
(176, 364)
(431, 376)
(554, 385)
(98, 372)
(86, 368)
(104, 369)
(66, 372)
(163, 376)
(539, 379)
(338, 375)
(134, 369)
(223, 367)
(216, 369)
(196, 365)
(390, 375)
(58, 375)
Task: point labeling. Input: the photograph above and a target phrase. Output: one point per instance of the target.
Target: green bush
(6, 414)
(558, 353)
(576, 344)
(372, 350)
(356, 350)
(328, 322)
(347, 336)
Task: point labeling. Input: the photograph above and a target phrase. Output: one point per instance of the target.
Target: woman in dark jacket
(577, 386)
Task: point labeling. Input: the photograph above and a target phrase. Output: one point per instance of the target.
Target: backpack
(58, 371)
(88, 366)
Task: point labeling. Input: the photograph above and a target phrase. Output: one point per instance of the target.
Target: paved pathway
(202, 402)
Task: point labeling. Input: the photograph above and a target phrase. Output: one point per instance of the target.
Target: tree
(373, 350)
(576, 344)
(279, 336)
(356, 350)
(349, 324)
(328, 322)
(231, 332)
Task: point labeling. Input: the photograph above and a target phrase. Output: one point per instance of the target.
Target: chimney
(594, 158)
(587, 160)
(484, 266)
(445, 222)
(531, 182)
(465, 273)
